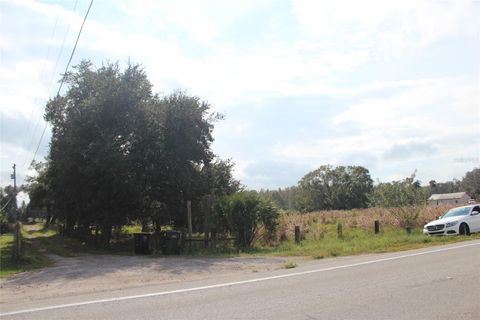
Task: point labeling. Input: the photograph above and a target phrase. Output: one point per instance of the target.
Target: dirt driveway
(96, 273)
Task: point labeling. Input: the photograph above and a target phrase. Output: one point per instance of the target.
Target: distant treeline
(338, 188)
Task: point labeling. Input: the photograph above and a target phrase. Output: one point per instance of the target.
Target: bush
(243, 213)
(4, 228)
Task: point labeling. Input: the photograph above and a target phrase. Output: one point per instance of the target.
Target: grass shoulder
(30, 258)
(359, 241)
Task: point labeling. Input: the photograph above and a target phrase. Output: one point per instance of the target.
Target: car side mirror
(475, 213)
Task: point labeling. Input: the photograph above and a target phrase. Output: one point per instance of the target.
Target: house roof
(448, 196)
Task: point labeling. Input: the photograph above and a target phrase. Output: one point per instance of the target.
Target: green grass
(358, 241)
(30, 258)
(355, 241)
(70, 247)
(39, 231)
(131, 229)
(39, 241)
(290, 265)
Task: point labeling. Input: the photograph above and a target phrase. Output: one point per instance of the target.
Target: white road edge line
(228, 284)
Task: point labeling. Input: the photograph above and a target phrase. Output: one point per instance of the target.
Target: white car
(461, 220)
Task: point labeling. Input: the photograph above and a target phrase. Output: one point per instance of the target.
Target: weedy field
(319, 232)
(312, 224)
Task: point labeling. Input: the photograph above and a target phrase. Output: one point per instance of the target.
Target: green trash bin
(170, 241)
(142, 243)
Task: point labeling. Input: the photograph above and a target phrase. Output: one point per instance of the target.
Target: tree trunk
(106, 233)
(144, 225)
(69, 224)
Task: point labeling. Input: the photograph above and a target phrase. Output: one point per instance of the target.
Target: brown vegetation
(311, 223)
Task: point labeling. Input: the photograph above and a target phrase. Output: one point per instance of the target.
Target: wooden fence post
(339, 231)
(17, 238)
(207, 206)
(297, 234)
(214, 239)
(189, 219)
(377, 226)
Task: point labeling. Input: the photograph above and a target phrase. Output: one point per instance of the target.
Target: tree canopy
(120, 152)
(471, 183)
(334, 188)
(407, 192)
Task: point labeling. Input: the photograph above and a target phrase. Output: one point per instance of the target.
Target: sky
(389, 85)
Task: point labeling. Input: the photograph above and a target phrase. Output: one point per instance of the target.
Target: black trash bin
(142, 243)
(170, 242)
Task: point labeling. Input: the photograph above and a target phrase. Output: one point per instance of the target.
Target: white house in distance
(457, 198)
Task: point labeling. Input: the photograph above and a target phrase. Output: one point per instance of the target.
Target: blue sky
(389, 85)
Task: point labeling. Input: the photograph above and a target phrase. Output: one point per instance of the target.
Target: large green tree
(443, 187)
(471, 183)
(119, 152)
(8, 204)
(38, 188)
(284, 198)
(334, 188)
(405, 199)
(406, 192)
(92, 126)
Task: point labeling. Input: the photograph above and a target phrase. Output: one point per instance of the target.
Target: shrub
(244, 213)
(4, 228)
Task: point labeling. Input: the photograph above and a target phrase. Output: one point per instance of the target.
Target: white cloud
(404, 23)
(432, 119)
(226, 74)
(239, 169)
(201, 20)
(324, 18)
(18, 155)
(331, 150)
(435, 107)
(22, 88)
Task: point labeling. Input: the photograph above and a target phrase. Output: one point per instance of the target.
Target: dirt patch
(96, 273)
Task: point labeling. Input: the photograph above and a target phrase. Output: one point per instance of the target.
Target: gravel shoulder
(96, 273)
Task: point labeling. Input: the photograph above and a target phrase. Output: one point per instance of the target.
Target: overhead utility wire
(6, 204)
(63, 78)
(42, 76)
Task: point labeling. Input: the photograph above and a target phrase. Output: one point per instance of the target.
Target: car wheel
(464, 230)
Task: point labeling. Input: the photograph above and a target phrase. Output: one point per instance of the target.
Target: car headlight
(451, 224)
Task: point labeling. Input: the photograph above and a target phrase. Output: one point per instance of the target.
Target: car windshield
(456, 212)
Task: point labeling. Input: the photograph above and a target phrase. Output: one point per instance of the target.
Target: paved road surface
(434, 283)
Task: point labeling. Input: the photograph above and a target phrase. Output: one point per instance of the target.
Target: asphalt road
(434, 283)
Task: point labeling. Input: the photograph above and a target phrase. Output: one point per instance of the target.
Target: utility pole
(16, 236)
(14, 177)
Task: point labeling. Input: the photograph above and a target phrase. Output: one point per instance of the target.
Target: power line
(64, 74)
(6, 204)
(65, 38)
(42, 76)
(14, 177)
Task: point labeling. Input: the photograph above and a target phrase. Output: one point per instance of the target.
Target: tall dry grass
(312, 224)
